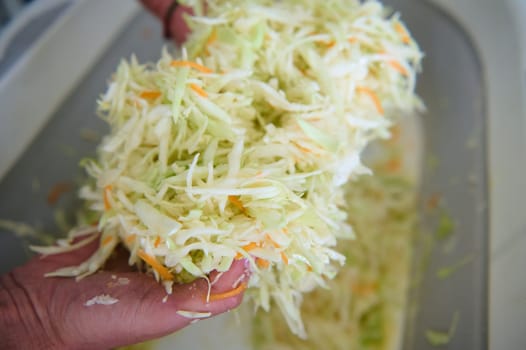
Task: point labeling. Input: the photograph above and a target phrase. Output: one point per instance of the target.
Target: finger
(238, 273)
(176, 25)
(142, 311)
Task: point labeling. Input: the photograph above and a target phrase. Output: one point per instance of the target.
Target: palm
(57, 305)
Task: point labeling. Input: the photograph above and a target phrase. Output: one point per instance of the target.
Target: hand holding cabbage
(240, 148)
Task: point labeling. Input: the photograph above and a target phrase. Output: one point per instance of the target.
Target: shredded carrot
(131, 238)
(107, 241)
(398, 67)
(373, 97)
(364, 289)
(262, 263)
(150, 95)
(198, 90)
(247, 248)
(406, 39)
(106, 195)
(284, 258)
(152, 261)
(301, 148)
(250, 246)
(285, 230)
(191, 64)
(433, 201)
(394, 165)
(395, 134)
(329, 44)
(236, 202)
(267, 236)
(212, 37)
(352, 40)
(57, 191)
(157, 242)
(231, 293)
(309, 268)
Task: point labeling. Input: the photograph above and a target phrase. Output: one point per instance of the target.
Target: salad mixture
(241, 146)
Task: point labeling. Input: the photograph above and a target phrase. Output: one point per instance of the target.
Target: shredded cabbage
(241, 147)
(364, 306)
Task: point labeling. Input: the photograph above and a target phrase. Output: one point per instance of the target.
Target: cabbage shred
(241, 147)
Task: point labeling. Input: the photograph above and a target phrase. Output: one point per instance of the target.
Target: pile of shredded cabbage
(240, 147)
(365, 305)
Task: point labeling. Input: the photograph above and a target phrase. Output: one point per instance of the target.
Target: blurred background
(10, 8)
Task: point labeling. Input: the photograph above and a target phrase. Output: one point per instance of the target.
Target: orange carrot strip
(373, 97)
(433, 201)
(395, 133)
(238, 256)
(231, 293)
(284, 258)
(150, 95)
(106, 195)
(198, 90)
(152, 261)
(58, 190)
(235, 201)
(364, 288)
(352, 40)
(301, 148)
(191, 64)
(212, 37)
(107, 240)
(406, 39)
(263, 263)
(157, 242)
(131, 238)
(398, 67)
(267, 236)
(394, 165)
(250, 246)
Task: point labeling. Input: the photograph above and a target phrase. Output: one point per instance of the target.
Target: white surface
(23, 19)
(497, 29)
(40, 80)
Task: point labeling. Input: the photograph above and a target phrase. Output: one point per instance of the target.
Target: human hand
(51, 313)
(172, 16)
